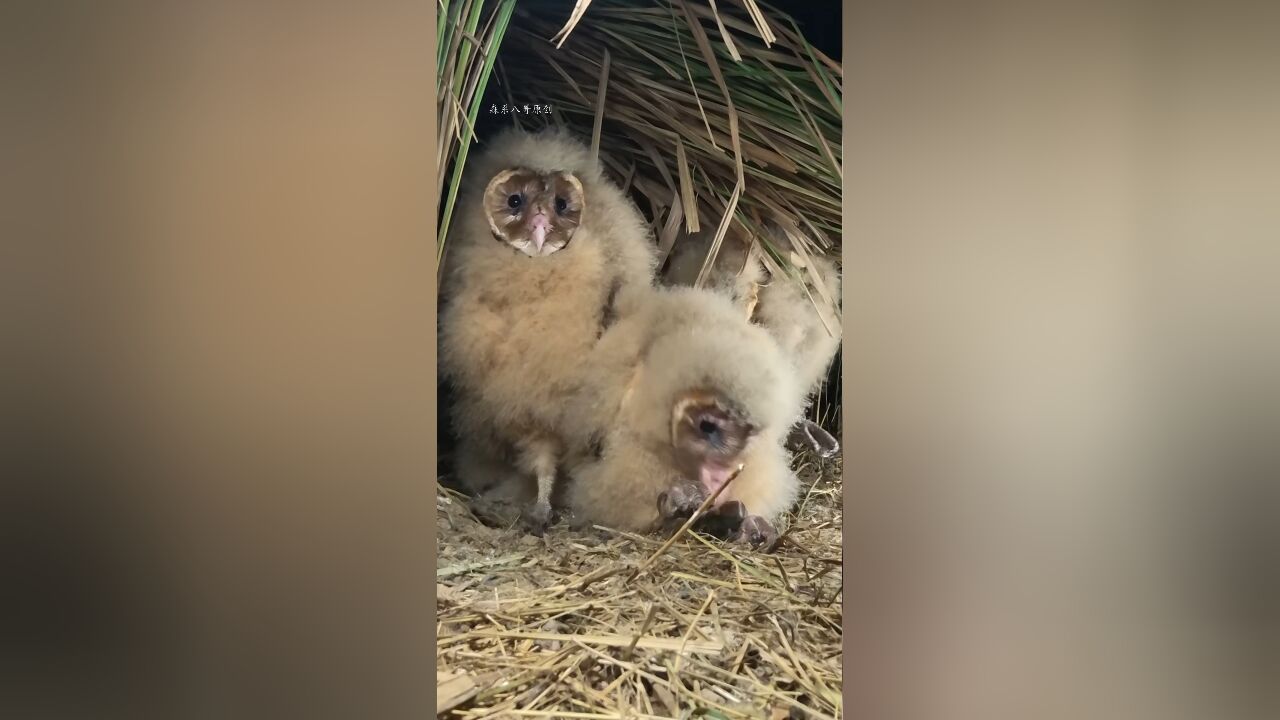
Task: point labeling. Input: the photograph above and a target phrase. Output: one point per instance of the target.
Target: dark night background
(819, 21)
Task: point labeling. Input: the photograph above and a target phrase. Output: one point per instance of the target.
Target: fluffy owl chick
(543, 245)
(809, 336)
(682, 390)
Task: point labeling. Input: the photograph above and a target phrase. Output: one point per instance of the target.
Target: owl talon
(537, 518)
(757, 532)
(680, 501)
(725, 522)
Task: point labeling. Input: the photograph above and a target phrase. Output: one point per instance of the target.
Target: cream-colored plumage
(516, 331)
(666, 343)
(735, 272)
(808, 336)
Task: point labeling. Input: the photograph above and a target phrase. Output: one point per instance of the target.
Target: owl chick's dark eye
(561, 204)
(514, 201)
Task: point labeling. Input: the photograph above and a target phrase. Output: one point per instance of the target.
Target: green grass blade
(502, 22)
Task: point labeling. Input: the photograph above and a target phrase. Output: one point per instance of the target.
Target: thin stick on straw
(697, 515)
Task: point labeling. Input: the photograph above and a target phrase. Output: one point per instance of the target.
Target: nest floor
(558, 627)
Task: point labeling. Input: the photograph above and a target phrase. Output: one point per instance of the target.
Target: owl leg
(540, 513)
(539, 457)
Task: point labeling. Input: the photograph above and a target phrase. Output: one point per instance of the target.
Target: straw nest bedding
(557, 627)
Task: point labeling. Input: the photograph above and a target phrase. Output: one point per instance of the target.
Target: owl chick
(809, 337)
(543, 246)
(682, 392)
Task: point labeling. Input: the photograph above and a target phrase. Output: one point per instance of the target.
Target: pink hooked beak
(712, 476)
(541, 225)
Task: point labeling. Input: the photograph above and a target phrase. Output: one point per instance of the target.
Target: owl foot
(757, 532)
(725, 521)
(537, 517)
(680, 501)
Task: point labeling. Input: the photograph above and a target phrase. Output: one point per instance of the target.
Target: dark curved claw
(725, 521)
(809, 435)
(680, 501)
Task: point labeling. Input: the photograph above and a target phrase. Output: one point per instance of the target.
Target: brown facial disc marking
(705, 402)
(493, 195)
(566, 185)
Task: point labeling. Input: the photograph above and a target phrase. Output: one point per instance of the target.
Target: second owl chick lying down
(681, 392)
(807, 331)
